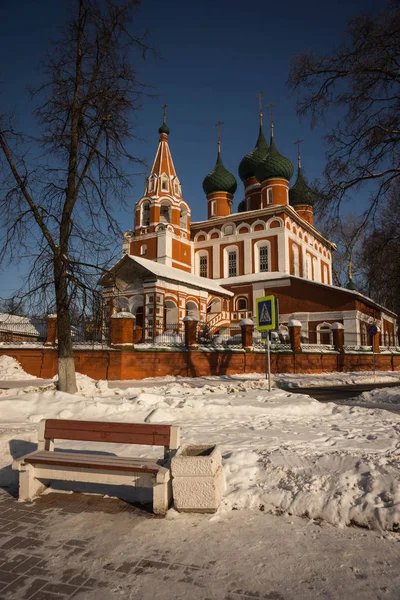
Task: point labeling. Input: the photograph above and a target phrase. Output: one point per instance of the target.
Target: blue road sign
(265, 313)
(372, 329)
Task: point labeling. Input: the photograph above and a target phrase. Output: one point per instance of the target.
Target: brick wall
(133, 364)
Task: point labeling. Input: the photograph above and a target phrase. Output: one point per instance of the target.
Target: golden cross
(259, 96)
(298, 142)
(165, 112)
(270, 106)
(218, 125)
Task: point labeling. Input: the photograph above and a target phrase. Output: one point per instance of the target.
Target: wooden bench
(38, 468)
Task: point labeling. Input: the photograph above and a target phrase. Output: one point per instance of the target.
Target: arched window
(164, 183)
(315, 269)
(151, 186)
(295, 258)
(183, 221)
(324, 334)
(165, 212)
(170, 314)
(203, 264)
(269, 195)
(264, 258)
(177, 187)
(143, 250)
(232, 263)
(192, 309)
(241, 304)
(308, 272)
(213, 211)
(146, 214)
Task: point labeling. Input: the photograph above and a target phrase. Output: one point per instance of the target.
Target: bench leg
(162, 497)
(29, 486)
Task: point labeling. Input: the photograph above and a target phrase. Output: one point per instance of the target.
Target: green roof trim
(274, 165)
(220, 179)
(250, 162)
(301, 193)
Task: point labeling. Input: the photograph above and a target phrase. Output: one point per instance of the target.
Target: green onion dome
(300, 193)
(251, 161)
(350, 285)
(219, 180)
(164, 129)
(274, 165)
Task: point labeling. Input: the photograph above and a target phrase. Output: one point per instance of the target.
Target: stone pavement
(93, 547)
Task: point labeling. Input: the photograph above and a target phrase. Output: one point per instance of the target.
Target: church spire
(163, 179)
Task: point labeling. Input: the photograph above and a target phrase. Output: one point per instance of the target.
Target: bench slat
(92, 461)
(120, 433)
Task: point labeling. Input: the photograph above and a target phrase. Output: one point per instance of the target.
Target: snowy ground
(283, 452)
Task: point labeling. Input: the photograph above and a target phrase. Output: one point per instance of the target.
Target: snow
(282, 452)
(10, 369)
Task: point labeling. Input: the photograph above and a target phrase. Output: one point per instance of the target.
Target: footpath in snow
(283, 452)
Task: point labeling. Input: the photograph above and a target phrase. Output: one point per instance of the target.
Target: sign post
(372, 331)
(266, 319)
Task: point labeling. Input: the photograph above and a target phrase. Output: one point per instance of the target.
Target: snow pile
(381, 396)
(10, 369)
(282, 452)
(334, 379)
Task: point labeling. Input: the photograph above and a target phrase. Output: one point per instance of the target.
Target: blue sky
(215, 56)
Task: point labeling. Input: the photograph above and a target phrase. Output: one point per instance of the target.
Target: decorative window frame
(258, 222)
(166, 203)
(143, 250)
(227, 249)
(152, 184)
(165, 183)
(296, 260)
(198, 254)
(257, 247)
(269, 196)
(316, 271)
(272, 220)
(196, 237)
(226, 226)
(324, 328)
(241, 226)
(239, 299)
(213, 208)
(142, 223)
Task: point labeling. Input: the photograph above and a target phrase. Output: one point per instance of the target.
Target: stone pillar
(247, 327)
(122, 330)
(191, 331)
(51, 338)
(376, 341)
(338, 336)
(294, 333)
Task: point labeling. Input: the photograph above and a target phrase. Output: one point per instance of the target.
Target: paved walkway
(92, 547)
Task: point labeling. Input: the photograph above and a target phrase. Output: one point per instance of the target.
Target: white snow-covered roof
(172, 274)
(17, 324)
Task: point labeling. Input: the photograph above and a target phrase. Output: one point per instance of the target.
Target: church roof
(274, 165)
(252, 160)
(301, 193)
(220, 179)
(166, 272)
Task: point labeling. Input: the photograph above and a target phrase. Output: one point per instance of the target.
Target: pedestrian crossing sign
(265, 313)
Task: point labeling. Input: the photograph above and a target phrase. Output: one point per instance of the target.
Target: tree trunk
(66, 365)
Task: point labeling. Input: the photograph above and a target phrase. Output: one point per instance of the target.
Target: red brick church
(215, 269)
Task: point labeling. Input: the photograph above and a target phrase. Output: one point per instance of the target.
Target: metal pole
(269, 361)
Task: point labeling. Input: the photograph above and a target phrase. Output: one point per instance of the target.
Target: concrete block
(198, 494)
(196, 461)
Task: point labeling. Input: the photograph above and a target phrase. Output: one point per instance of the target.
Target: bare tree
(57, 191)
(360, 80)
(380, 255)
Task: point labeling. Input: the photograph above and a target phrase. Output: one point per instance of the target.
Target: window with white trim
(203, 266)
(213, 208)
(315, 269)
(165, 213)
(151, 186)
(269, 195)
(308, 272)
(143, 250)
(232, 263)
(164, 183)
(295, 257)
(264, 258)
(146, 214)
(242, 304)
